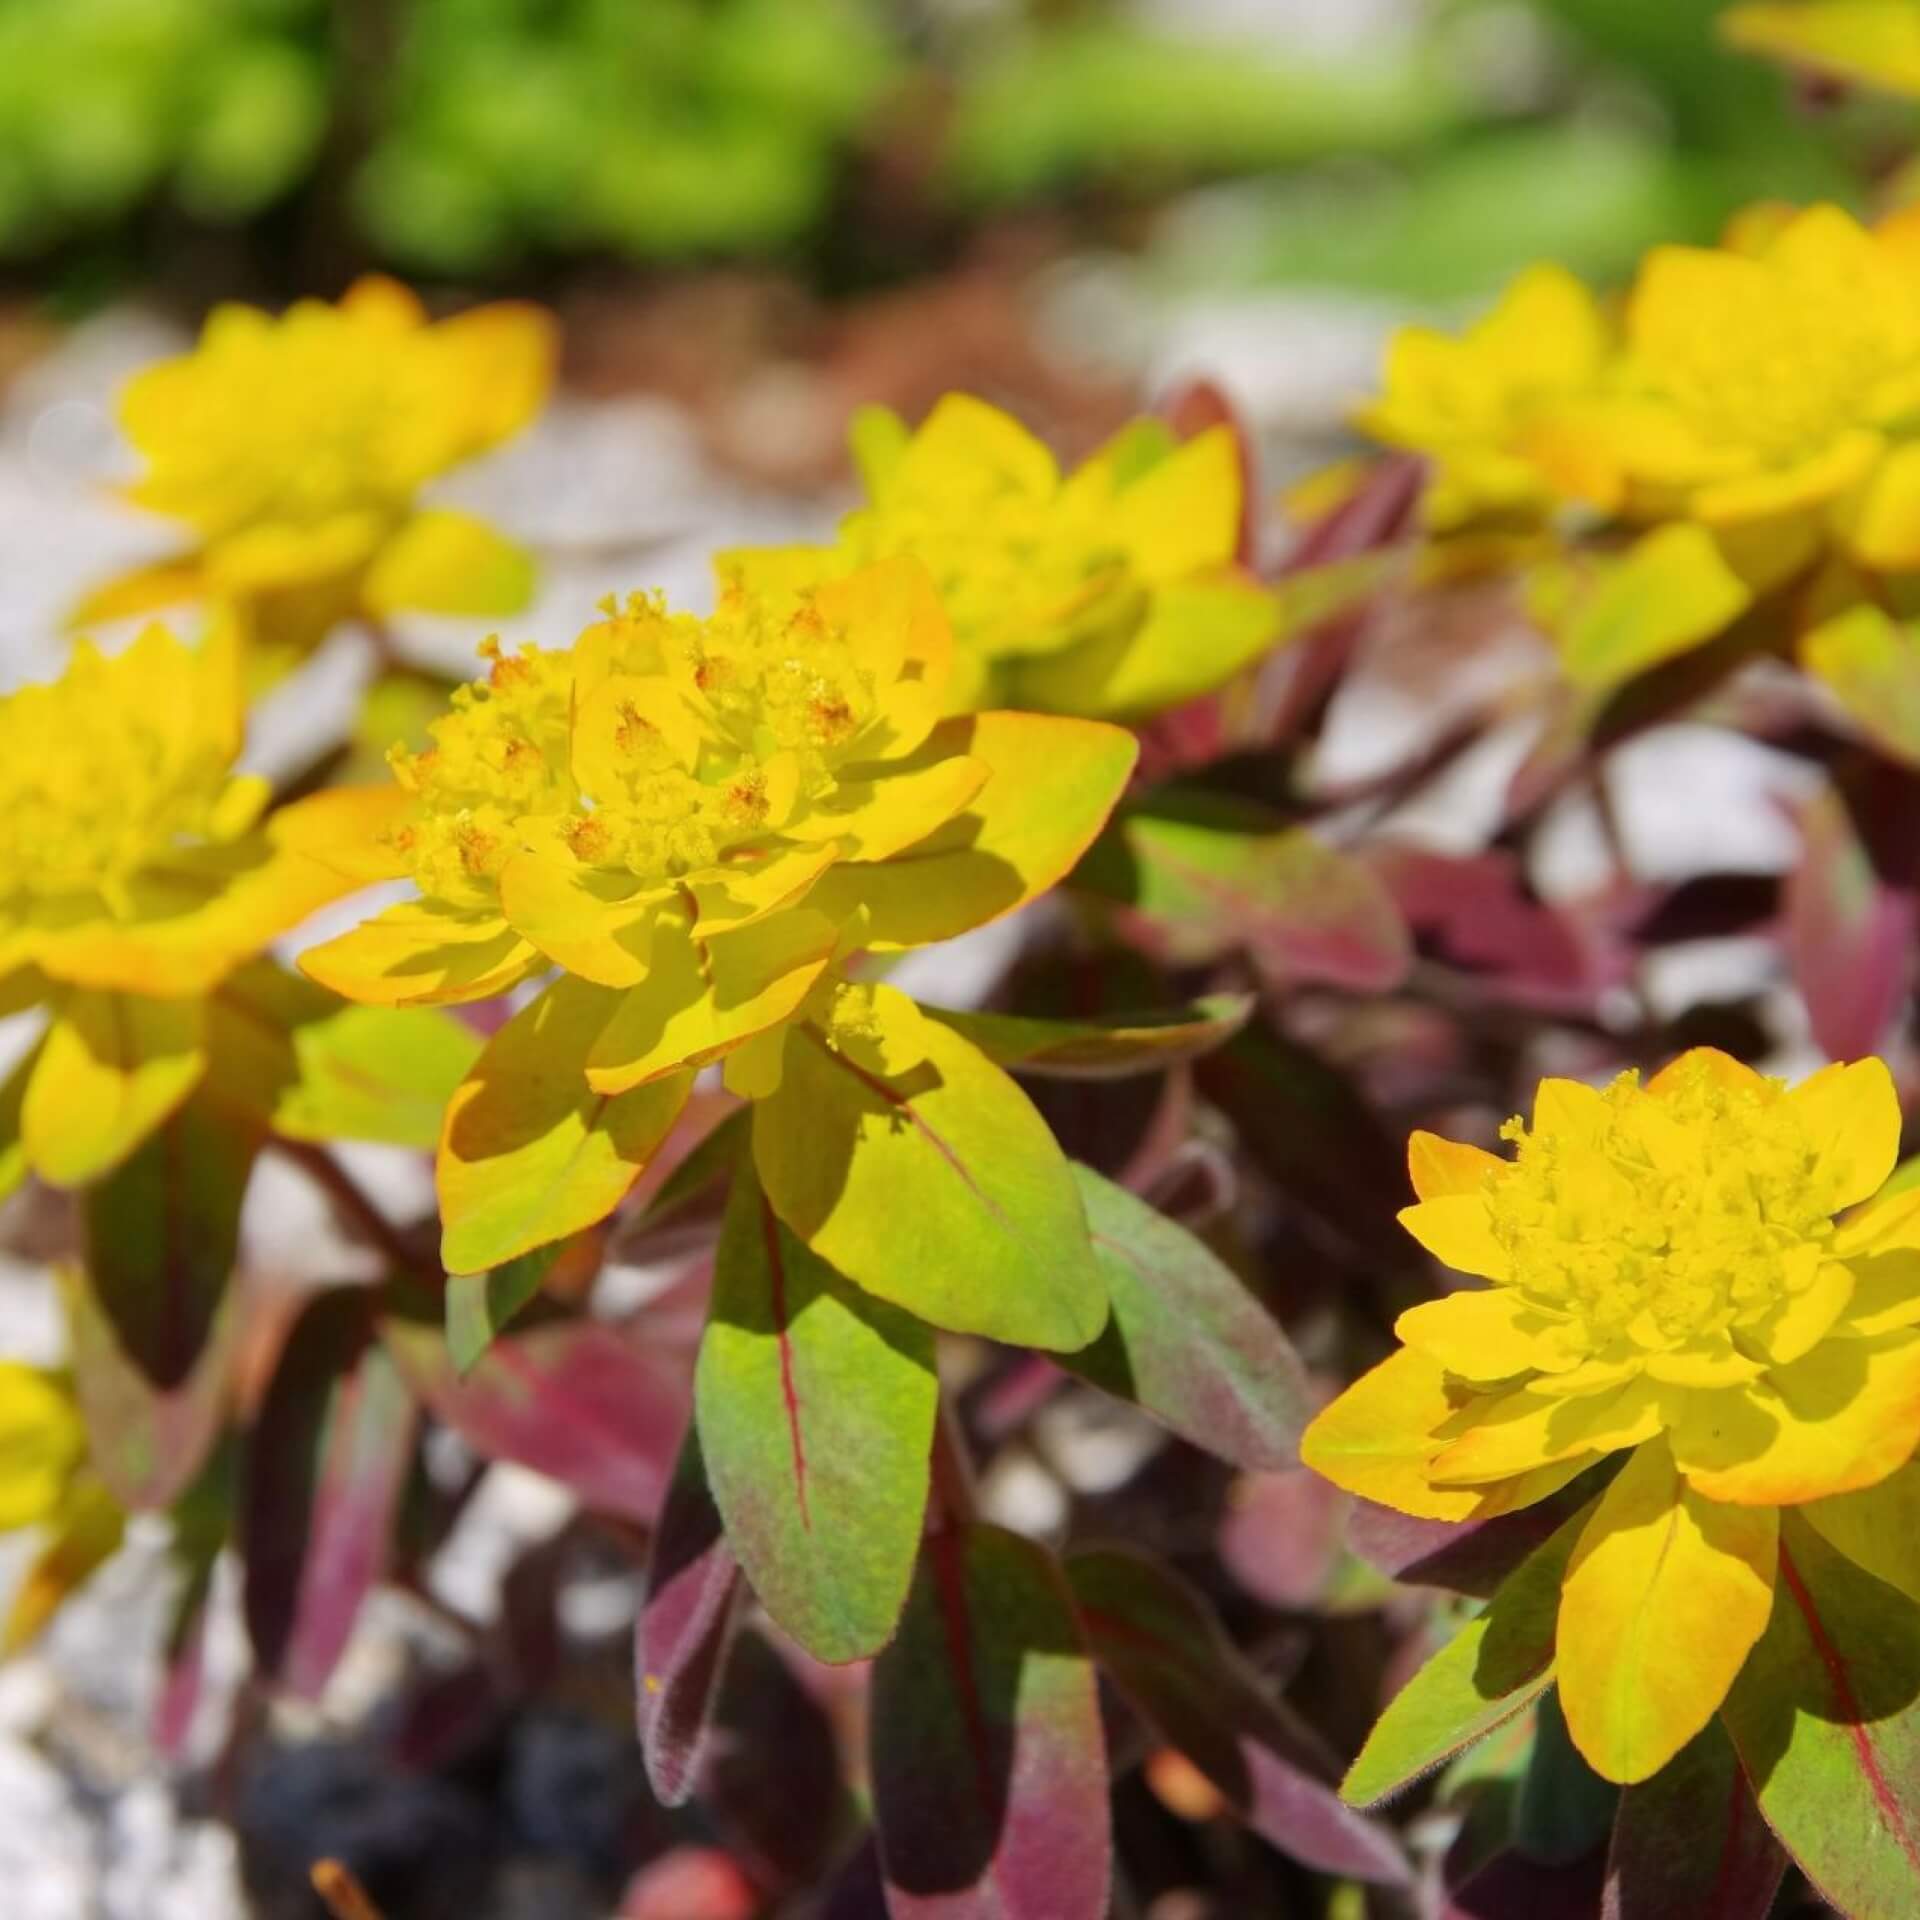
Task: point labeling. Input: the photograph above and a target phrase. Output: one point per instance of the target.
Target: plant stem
(953, 1489)
(356, 1211)
(342, 1895)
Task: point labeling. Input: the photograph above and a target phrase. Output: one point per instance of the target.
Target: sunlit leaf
(1186, 1340)
(1106, 1048)
(816, 1406)
(941, 1190)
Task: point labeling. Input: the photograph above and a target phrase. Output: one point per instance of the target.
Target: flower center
(96, 785)
(653, 746)
(1661, 1219)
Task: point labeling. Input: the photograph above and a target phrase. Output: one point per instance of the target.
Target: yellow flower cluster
(295, 448)
(1675, 1275)
(1111, 591)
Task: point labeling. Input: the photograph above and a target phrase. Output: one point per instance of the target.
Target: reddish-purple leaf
(772, 1780)
(1475, 912)
(1848, 934)
(989, 1766)
(1200, 877)
(153, 1315)
(1691, 1841)
(1512, 1887)
(1185, 1339)
(1281, 1536)
(1824, 1716)
(1162, 1646)
(576, 1400)
(1468, 1556)
(686, 1624)
(326, 1462)
(183, 1675)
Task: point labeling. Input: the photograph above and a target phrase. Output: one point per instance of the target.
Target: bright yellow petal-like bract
(1676, 1276)
(135, 875)
(699, 821)
(294, 450)
(1111, 592)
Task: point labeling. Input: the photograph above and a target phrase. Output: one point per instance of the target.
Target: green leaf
(530, 1153)
(816, 1404)
(480, 1305)
(111, 1068)
(1564, 1808)
(13, 1147)
(1825, 1721)
(1871, 663)
(1185, 1340)
(1668, 593)
(1498, 1663)
(941, 1190)
(153, 1316)
(314, 1068)
(1103, 1049)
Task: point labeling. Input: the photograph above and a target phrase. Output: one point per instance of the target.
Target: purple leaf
(1691, 1841)
(1281, 1536)
(573, 1399)
(1160, 1643)
(326, 1463)
(1512, 1887)
(772, 1780)
(686, 1624)
(1848, 934)
(989, 1767)
(154, 1317)
(1467, 1556)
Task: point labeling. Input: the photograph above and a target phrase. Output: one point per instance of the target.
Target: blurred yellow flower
(134, 876)
(696, 818)
(45, 1483)
(1489, 409)
(1669, 1280)
(1872, 43)
(295, 449)
(1111, 591)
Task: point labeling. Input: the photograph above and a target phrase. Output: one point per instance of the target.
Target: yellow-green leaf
(447, 562)
(940, 1189)
(529, 1152)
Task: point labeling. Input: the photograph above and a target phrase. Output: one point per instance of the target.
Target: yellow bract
(133, 878)
(295, 449)
(1108, 591)
(1674, 1268)
(1490, 409)
(698, 818)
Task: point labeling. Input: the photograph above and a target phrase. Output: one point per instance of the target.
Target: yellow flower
(45, 1483)
(697, 820)
(1490, 409)
(1766, 382)
(295, 449)
(134, 875)
(1669, 1280)
(1874, 43)
(1110, 591)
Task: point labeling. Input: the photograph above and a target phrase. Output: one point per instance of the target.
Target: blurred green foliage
(472, 137)
(670, 127)
(104, 104)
